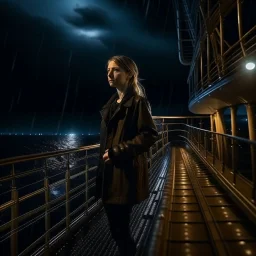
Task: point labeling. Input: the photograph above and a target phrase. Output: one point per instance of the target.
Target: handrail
(198, 136)
(19, 159)
(72, 191)
(240, 40)
(234, 154)
(205, 84)
(13, 160)
(225, 65)
(224, 135)
(180, 117)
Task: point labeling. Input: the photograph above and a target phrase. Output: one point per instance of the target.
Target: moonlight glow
(90, 33)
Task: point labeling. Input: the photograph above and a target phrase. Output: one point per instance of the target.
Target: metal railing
(39, 187)
(232, 63)
(223, 64)
(234, 158)
(44, 197)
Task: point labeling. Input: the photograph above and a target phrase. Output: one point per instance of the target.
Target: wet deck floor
(196, 196)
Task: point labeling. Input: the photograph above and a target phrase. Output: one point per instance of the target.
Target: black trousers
(119, 223)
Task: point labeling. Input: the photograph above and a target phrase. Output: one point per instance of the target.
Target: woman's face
(117, 77)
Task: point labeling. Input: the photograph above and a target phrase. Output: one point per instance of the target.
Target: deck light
(250, 65)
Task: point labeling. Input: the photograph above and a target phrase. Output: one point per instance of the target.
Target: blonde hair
(129, 66)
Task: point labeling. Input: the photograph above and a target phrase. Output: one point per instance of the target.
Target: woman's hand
(106, 159)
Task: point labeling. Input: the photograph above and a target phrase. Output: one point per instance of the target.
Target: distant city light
(70, 135)
(250, 65)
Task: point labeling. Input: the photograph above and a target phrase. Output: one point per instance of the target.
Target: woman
(127, 132)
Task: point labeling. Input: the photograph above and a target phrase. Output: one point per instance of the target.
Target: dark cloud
(51, 45)
(102, 24)
(89, 18)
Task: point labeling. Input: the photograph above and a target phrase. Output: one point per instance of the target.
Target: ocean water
(54, 168)
(11, 146)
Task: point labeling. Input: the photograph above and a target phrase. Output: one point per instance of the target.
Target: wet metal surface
(95, 238)
(241, 248)
(185, 249)
(187, 228)
(188, 232)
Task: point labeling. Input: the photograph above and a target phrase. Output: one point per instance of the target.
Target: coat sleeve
(146, 135)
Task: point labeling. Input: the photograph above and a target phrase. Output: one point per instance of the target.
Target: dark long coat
(126, 181)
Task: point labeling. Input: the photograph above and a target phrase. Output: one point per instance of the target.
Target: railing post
(234, 159)
(205, 144)
(213, 148)
(212, 129)
(240, 27)
(252, 136)
(208, 58)
(198, 140)
(235, 155)
(86, 181)
(68, 195)
(14, 216)
(222, 154)
(47, 209)
(192, 135)
(253, 162)
(200, 133)
(222, 44)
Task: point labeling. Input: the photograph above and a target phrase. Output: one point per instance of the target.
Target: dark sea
(11, 145)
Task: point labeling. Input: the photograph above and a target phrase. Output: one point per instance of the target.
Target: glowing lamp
(250, 65)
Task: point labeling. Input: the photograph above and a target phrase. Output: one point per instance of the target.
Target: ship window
(227, 120)
(242, 122)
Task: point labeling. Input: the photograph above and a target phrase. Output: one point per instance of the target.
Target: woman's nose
(110, 74)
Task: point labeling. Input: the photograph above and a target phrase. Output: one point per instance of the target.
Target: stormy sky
(54, 56)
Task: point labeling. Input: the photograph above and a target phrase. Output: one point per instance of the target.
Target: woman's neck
(121, 92)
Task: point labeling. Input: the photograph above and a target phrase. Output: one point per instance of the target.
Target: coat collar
(126, 102)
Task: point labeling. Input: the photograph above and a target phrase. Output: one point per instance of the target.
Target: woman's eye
(115, 70)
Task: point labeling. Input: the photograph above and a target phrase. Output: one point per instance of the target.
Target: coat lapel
(126, 102)
(105, 109)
